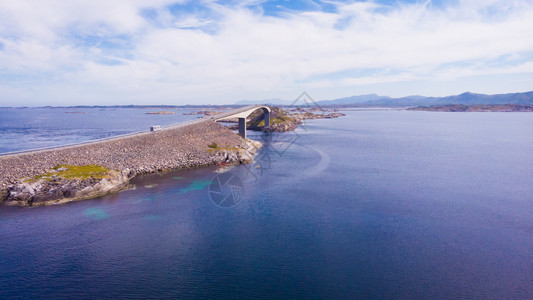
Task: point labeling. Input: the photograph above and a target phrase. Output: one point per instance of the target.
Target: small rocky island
(203, 112)
(164, 112)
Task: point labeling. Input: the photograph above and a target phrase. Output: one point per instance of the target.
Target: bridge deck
(242, 112)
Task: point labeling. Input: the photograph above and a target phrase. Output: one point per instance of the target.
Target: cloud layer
(178, 52)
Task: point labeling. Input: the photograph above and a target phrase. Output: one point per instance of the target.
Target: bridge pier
(242, 127)
(266, 117)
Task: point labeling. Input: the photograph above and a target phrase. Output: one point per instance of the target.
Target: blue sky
(95, 52)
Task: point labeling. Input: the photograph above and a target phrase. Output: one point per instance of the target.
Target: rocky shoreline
(60, 190)
(182, 146)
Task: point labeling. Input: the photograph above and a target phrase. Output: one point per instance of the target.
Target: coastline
(178, 147)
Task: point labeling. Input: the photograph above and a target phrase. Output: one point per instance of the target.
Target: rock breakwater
(182, 146)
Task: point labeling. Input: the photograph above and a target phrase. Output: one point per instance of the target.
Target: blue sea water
(386, 204)
(31, 128)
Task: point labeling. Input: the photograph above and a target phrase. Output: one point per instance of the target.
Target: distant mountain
(465, 98)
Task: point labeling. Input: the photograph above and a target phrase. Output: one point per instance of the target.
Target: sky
(114, 52)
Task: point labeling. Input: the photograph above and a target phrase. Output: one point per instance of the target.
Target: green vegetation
(276, 120)
(277, 116)
(256, 114)
(75, 172)
(213, 148)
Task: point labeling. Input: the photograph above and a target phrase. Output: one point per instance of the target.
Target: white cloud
(226, 53)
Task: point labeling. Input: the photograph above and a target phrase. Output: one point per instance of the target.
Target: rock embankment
(182, 146)
(61, 190)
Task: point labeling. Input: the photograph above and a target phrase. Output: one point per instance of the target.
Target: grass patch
(82, 172)
(276, 120)
(218, 148)
(277, 116)
(75, 172)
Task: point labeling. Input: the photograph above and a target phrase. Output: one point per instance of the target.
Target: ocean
(40, 127)
(376, 204)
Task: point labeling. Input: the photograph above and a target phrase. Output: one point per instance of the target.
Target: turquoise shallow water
(373, 205)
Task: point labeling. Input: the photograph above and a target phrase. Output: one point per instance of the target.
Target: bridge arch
(242, 113)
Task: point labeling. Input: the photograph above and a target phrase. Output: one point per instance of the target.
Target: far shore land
(321, 111)
(475, 108)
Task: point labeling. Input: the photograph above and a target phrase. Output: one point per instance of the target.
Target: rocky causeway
(177, 147)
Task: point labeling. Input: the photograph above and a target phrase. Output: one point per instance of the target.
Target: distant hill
(465, 99)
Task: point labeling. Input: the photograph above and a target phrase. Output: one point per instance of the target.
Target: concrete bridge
(243, 113)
